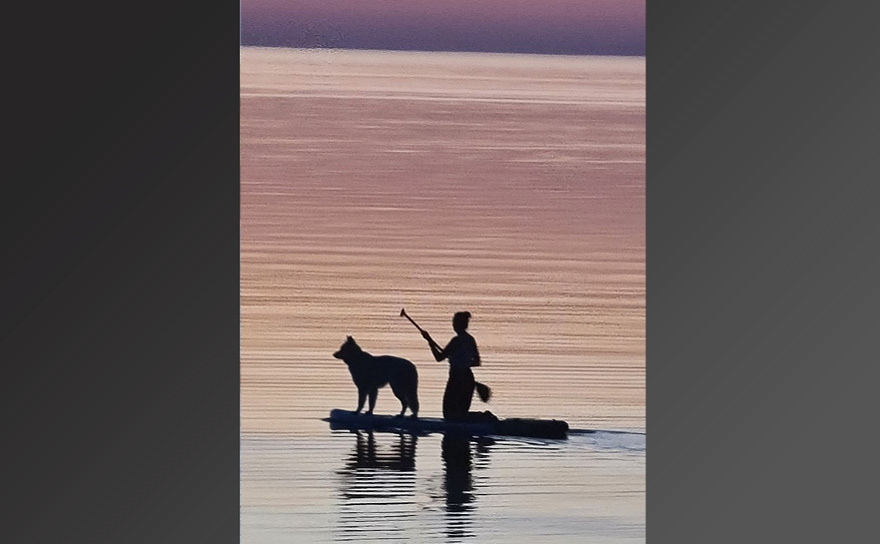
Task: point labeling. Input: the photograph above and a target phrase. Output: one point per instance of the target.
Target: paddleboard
(521, 427)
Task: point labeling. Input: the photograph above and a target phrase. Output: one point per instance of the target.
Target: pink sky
(579, 26)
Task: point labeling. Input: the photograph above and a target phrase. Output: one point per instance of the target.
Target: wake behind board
(522, 427)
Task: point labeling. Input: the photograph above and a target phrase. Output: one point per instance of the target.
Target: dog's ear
(349, 339)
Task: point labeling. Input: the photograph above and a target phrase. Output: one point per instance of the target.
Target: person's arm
(476, 355)
(438, 352)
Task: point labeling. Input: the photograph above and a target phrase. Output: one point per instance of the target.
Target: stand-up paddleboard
(524, 427)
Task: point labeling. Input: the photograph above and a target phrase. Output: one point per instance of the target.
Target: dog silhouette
(370, 373)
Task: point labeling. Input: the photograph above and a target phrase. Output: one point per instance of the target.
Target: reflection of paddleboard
(536, 428)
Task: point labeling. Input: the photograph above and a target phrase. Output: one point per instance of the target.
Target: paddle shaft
(404, 314)
(413, 322)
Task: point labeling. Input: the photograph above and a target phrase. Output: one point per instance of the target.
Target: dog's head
(349, 350)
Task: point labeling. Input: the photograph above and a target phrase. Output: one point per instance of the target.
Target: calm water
(511, 186)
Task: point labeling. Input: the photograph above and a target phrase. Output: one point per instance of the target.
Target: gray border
(121, 378)
(762, 272)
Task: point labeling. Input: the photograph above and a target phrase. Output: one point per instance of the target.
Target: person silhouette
(463, 354)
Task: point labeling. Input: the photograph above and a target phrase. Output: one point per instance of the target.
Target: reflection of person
(456, 452)
(462, 353)
(459, 461)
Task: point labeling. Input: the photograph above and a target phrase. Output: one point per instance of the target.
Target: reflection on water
(402, 456)
(378, 485)
(458, 462)
(459, 484)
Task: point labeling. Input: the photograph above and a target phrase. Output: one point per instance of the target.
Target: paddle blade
(484, 392)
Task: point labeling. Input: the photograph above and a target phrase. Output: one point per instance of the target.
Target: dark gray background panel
(762, 271)
(120, 389)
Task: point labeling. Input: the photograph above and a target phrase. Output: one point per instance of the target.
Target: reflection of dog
(369, 373)
(401, 458)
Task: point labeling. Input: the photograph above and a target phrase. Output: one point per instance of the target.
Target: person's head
(460, 321)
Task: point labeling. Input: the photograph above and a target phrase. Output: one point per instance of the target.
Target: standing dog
(369, 373)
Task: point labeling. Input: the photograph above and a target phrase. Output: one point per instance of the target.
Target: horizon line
(446, 51)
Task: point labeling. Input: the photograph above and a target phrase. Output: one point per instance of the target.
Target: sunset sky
(575, 27)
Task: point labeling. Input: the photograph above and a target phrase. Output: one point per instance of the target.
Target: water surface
(511, 186)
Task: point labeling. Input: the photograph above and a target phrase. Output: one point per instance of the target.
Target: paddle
(421, 330)
(483, 391)
(404, 314)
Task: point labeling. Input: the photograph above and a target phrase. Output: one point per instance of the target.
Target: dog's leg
(373, 394)
(414, 405)
(362, 396)
(402, 407)
(401, 396)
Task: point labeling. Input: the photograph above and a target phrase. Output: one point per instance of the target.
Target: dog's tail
(484, 392)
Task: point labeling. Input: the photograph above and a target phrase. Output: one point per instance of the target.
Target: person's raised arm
(438, 352)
